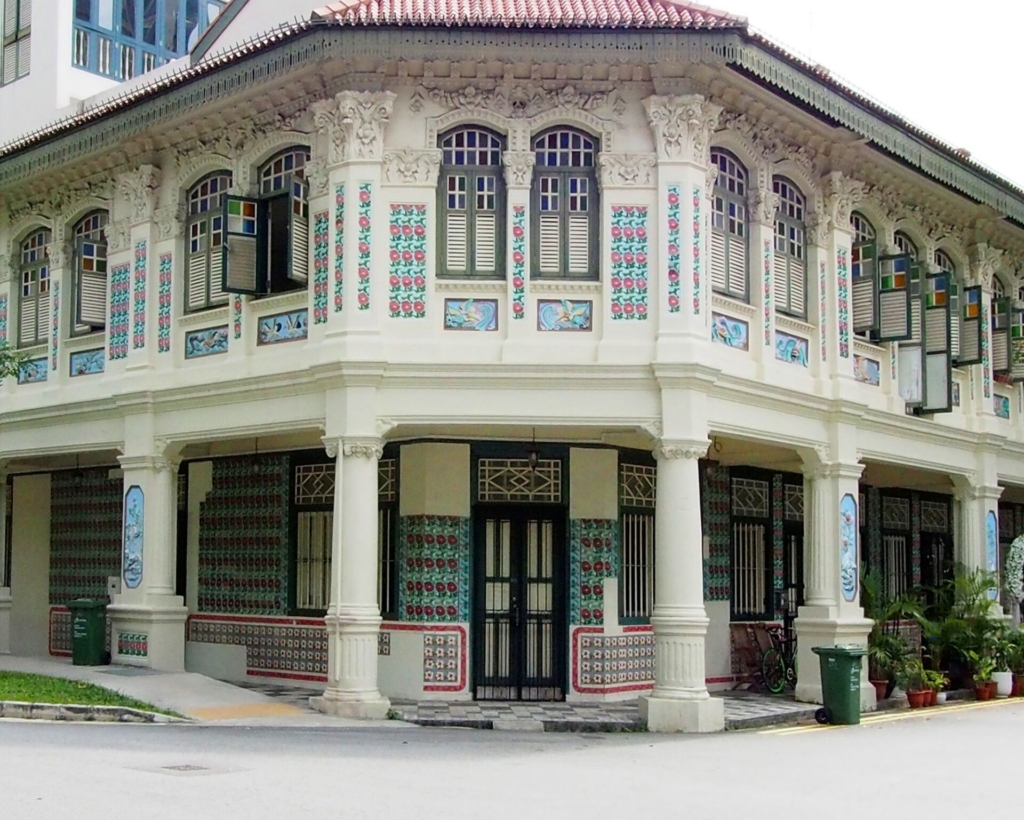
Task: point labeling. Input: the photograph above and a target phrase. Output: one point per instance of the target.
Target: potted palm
(934, 681)
(982, 666)
(887, 650)
(1015, 660)
(913, 674)
(1002, 675)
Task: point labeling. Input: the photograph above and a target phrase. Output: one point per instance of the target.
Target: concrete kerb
(19, 710)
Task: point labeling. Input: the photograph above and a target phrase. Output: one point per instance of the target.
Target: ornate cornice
(673, 449)
(138, 190)
(518, 168)
(518, 101)
(627, 170)
(355, 123)
(682, 126)
(411, 167)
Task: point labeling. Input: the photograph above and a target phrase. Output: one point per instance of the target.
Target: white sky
(954, 69)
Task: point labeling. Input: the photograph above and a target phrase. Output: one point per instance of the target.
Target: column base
(151, 636)
(375, 709)
(818, 631)
(674, 715)
(5, 621)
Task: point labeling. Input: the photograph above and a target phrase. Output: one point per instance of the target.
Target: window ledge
(98, 337)
(869, 348)
(34, 351)
(563, 286)
(470, 286)
(791, 323)
(211, 316)
(269, 304)
(725, 303)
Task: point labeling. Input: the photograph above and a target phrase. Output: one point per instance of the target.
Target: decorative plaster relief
(292, 326)
(682, 126)
(627, 170)
(87, 362)
(355, 122)
(848, 547)
(412, 167)
(867, 371)
(564, 314)
(321, 263)
(138, 190)
(471, 314)
(209, 341)
(519, 101)
(33, 371)
(791, 349)
(629, 262)
(731, 332)
(518, 168)
(408, 262)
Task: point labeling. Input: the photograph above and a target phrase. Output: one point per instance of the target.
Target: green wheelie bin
(88, 632)
(840, 683)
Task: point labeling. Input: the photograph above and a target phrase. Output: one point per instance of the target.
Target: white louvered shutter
(25, 13)
(92, 285)
(455, 241)
(737, 265)
(954, 319)
(1000, 335)
(298, 233)
(10, 62)
(24, 55)
(198, 270)
(485, 245)
(719, 274)
(43, 326)
(797, 286)
(217, 293)
(579, 243)
(27, 321)
(780, 270)
(549, 243)
(969, 331)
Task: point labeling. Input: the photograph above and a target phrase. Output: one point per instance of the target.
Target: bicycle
(778, 661)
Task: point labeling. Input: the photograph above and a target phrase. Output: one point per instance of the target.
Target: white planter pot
(1004, 683)
(940, 698)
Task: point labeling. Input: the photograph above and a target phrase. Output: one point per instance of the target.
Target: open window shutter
(27, 329)
(780, 271)
(911, 374)
(954, 318)
(240, 254)
(893, 298)
(485, 242)
(579, 243)
(798, 285)
(719, 274)
(550, 245)
(298, 233)
(938, 364)
(915, 303)
(217, 292)
(1017, 342)
(10, 17)
(1000, 335)
(865, 289)
(455, 241)
(43, 322)
(198, 271)
(24, 13)
(970, 326)
(91, 263)
(737, 265)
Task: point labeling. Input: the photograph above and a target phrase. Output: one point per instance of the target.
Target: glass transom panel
(905, 244)
(791, 201)
(944, 262)
(281, 169)
(732, 176)
(208, 195)
(33, 249)
(896, 513)
(471, 146)
(565, 148)
(863, 230)
(92, 227)
(750, 497)
(512, 479)
(934, 516)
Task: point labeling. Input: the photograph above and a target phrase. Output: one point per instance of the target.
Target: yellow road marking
(889, 717)
(249, 710)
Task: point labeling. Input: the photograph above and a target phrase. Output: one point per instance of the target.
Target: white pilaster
(680, 700)
(5, 582)
(353, 616)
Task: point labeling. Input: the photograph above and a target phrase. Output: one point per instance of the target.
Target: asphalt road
(959, 763)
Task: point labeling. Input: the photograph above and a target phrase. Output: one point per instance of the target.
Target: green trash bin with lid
(88, 632)
(840, 683)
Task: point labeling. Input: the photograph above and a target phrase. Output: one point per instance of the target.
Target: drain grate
(186, 767)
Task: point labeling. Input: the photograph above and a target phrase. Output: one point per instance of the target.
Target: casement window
(266, 241)
(729, 227)
(864, 268)
(881, 287)
(34, 298)
(565, 222)
(89, 280)
(16, 55)
(790, 269)
(472, 204)
(204, 285)
(636, 535)
(965, 314)
(124, 38)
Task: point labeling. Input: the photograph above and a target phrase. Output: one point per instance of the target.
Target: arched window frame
(34, 295)
(864, 270)
(471, 204)
(790, 269)
(904, 244)
(566, 204)
(89, 277)
(730, 235)
(204, 242)
(998, 288)
(266, 239)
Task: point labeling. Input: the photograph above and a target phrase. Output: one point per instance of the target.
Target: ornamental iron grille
(896, 513)
(637, 485)
(794, 502)
(182, 492)
(751, 545)
(934, 516)
(314, 484)
(514, 480)
(750, 497)
(1005, 522)
(897, 566)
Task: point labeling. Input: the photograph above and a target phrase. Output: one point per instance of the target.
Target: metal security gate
(519, 617)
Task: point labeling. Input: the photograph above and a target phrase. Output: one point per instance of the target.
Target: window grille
(895, 558)
(729, 226)
(1005, 523)
(637, 485)
(934, 516)
(387, 482)
(749, 575)
(793, 502)
(790, 267)
(750, 497)
(510, 479)
(637, 564)
(387, 560)
(182, 492)
(313, 559)
(895, 513)
(204, 283)
(862, 514)
(314, 484)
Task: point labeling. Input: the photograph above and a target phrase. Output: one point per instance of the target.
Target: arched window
(998, 288)
(790, 252)
(944, 263)
(204, 287)
(729, 227)
(863, 267)
(472, 204)
(267, 239)
(34, 299)
(904, 244)
(565, 206)
(89, 279)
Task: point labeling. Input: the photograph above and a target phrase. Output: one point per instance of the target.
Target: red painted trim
(726, 679)
(266, 673)
(261, 619)
(49, 633)
(463, 649)
(602, 690)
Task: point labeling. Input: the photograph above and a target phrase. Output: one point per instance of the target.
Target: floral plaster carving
(842, 195)
(682, 126)
(362, 447)
(118, 236)
(984, 263)
(319, 177)
(764, 203)
(627, 170)
(412, 167)
(518, 168)
(138, 189)
(59, 254)
(818, 225)
(355, 123)
(169, 221)
(521, 102)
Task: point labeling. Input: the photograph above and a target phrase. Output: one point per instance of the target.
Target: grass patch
(27, 688)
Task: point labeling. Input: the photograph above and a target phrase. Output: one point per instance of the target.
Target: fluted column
(680, 700)
(5, 582)
(353, 617)
(818, 559)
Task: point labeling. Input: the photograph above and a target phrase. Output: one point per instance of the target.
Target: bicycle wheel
(773, 670)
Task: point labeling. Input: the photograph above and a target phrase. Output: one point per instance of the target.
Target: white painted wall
(259, 17)
(717, 645)
(30, 565)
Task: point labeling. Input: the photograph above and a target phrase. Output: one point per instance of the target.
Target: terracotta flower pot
(882, 685)
(992, 688)
(1018, 686)
(917, 699)
(933, 696)
(982, 692)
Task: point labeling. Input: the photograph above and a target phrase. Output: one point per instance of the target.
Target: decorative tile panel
(1001, 406)
(164, 285)
(244, 537)
(33, 371)
(673, 236)
(986, 370)
(442, 656)
(133, 537)
(364, 209)
(408, 269)
(564, 314)
(139, 298)
(767, 276)
(518, 262)
(696, 250)
(434, 560)
(290, 648)
(613, 663)
(822, 310)
(132, 644)
(120, 295)
(514, 480)
(3, 319)
(87, 362)
(321, 264)
(384, 643)
(731, 332)
(60, 632)
(85, 533)
(292, 326)
(874, 500)
(209, 341)
(55, 328)
(717, 567)
(593, 558)
(236, 315)
(778, 540)
(866, 370)
(791, 349)
(956, 394)
(637, 485)
(915, 534)
(843, 286)
(339, 247)
(629, 262)
(471, 314)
